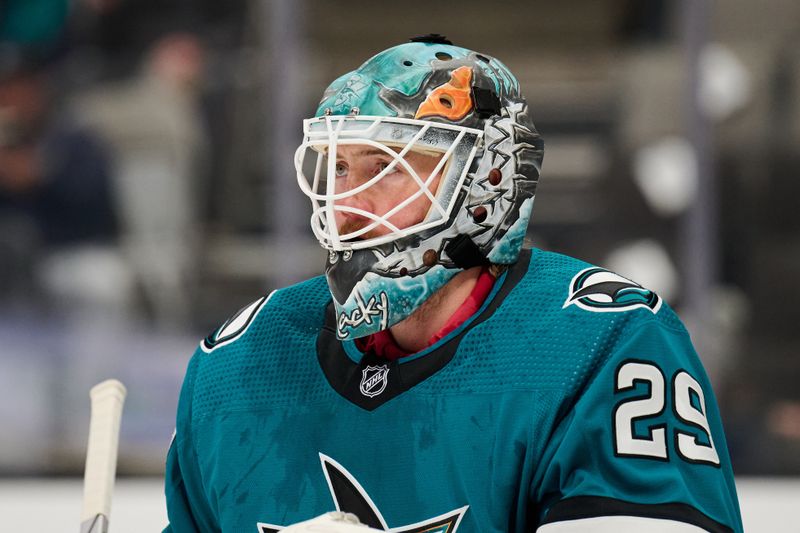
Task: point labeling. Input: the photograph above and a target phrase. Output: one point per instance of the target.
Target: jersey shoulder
(570, 287)
(562, 321)
(249, 359)
(297, 305)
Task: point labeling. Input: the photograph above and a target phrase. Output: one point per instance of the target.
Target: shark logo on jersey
(235, 326)
(350, 497)
(596, 289)
(373, 380)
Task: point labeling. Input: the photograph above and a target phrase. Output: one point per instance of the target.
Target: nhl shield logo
(374, 380)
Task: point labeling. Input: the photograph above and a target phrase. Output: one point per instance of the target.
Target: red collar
(383, 344)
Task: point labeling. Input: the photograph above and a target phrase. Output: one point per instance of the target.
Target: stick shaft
(107, 399)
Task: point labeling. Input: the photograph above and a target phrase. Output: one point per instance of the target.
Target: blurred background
(147, 190)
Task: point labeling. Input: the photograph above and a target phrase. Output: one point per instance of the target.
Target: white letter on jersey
(628, 412)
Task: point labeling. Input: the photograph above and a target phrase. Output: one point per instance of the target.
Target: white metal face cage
(396, 137)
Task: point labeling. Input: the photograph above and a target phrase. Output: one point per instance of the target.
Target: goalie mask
(421, 163)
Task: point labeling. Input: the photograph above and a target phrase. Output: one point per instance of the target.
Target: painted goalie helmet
(460, 111)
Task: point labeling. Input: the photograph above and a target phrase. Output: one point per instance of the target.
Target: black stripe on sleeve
(594, 506)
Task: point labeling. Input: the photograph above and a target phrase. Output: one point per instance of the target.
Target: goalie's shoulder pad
(235, 326)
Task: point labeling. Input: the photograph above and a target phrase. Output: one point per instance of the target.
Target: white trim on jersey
(239, 324)
(619, 524)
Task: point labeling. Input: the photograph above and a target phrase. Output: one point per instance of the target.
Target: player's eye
(341, 170)
(383, 165)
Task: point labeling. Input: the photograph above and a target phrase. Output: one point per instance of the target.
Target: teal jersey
(571, 401)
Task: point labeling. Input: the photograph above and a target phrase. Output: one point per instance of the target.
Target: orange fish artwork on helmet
(453, 100)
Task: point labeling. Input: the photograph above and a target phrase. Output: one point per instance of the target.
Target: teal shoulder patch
(598, 290)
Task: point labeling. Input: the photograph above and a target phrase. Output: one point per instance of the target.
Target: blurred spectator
(153, 122)
(54, 175)
(49, 169)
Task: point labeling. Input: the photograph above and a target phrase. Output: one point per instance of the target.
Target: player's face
(357, 164)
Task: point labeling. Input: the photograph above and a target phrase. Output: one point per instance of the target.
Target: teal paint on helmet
(388, 69)
(403, 69)
(354, 90)
(403, 296)
(507, 248)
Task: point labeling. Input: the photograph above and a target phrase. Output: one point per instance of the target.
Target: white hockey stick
(101, 455)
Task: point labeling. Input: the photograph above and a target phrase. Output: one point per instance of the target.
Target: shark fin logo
(350, 497)
(598, 290)
(236, 326)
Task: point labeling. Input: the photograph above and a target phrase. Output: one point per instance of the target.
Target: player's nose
(359, 201)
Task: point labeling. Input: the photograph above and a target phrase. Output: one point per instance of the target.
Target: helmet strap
(487, 104)
(465, 253)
